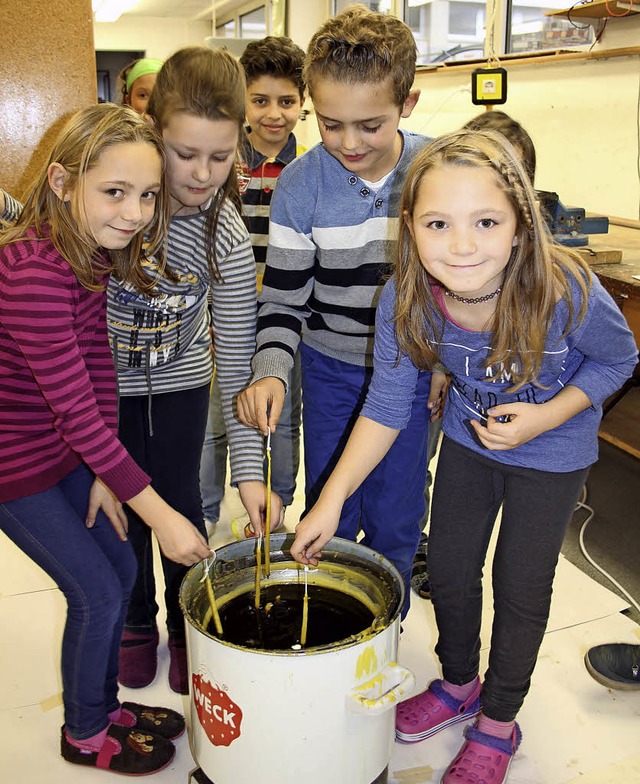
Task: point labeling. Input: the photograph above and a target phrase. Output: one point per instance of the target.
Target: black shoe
(615, 665)
(419, 575)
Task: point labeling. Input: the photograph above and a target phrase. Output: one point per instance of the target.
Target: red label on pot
(219, 716)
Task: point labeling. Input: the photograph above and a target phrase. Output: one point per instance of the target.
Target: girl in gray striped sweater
(161, 344)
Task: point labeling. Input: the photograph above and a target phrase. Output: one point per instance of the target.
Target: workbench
(621, 424)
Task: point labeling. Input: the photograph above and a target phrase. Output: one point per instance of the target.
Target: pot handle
(377, 695)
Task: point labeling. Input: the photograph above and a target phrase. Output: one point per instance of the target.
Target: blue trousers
(285, 448)
(95, 571)
(171, 457)
(389, 505)
(536, 509)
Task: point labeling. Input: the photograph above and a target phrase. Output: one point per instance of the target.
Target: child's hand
(100, 497)
(313, 533)
(524, 421)
(511, 425)
(254, 499)
(265, 397)
(180, 540)
(437, 394)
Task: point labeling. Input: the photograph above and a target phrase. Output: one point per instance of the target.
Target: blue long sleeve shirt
(597, 356)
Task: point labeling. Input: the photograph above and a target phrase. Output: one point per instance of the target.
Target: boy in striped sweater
(333, 230)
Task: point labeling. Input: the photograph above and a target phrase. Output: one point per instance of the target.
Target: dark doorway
(108, 66)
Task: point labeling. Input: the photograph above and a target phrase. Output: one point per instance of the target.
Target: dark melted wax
(276, 625)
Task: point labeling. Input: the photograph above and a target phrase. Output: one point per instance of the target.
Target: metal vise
(569, 225)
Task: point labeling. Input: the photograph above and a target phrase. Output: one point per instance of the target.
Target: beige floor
(574, 729)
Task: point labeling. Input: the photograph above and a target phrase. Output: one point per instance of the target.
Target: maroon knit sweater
(57, 381)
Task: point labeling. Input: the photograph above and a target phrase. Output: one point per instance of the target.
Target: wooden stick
(305, 609)
(258, 570)
(267, 520)
(212, 599)
(214, 608)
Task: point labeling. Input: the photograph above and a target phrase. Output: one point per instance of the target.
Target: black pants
(536, 509)
(171, 456)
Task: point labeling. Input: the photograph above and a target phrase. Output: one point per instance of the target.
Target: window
(531, 31)
(243, 19)
(447, 30)
(254, 23)
(227, 30)
(381, 6)
(450, 30)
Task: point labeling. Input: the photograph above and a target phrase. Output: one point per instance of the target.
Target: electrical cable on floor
(582, 505)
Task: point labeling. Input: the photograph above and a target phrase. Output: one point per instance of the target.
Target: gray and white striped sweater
(332, 241)
(161, 344)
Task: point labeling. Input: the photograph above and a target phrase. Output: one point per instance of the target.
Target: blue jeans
(95, 571)
(536, 509)
(389, 505)
(285, 448)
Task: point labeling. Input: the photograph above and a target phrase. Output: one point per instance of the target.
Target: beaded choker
(473, 300)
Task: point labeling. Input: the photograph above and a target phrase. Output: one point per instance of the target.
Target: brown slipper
(126, 751)
(165, 722)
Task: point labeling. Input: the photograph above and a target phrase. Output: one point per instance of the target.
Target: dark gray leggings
(537, 507)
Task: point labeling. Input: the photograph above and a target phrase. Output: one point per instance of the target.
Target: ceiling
(182, 9)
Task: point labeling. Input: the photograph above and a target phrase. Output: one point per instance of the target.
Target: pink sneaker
(483, 759)
(434, 709)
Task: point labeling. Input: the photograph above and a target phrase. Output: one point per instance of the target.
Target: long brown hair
(538, 273)
(210, 84)
(87, 134)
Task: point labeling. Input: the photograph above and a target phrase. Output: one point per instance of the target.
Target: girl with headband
(138, 80)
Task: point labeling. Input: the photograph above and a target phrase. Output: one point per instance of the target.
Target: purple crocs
(434, 709)
(483, 759)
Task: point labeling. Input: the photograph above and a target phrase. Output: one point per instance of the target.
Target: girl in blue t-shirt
(534, 345)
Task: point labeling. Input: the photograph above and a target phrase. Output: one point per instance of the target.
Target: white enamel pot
(317, 715)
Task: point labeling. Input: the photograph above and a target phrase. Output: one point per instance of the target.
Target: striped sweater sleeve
(53, 323)
(234, 324)
(12, 208)
(289, 277)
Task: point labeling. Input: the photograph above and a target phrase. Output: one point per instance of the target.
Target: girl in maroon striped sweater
(63, 473)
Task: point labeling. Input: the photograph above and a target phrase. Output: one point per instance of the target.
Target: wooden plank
(546, 56)
(620, 443)
(600, 255)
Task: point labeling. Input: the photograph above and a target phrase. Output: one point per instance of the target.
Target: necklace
(473, 300)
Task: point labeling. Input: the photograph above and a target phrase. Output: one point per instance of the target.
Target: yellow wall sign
(489, 86)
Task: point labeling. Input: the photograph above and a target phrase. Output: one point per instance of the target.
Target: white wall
(582, 117)
(157, 37)
(301, 26)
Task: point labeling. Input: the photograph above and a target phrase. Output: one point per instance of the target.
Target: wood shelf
(600, 9)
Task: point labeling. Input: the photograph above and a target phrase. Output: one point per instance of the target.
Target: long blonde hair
(537, 274)
(87, 134)
(210, 84)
